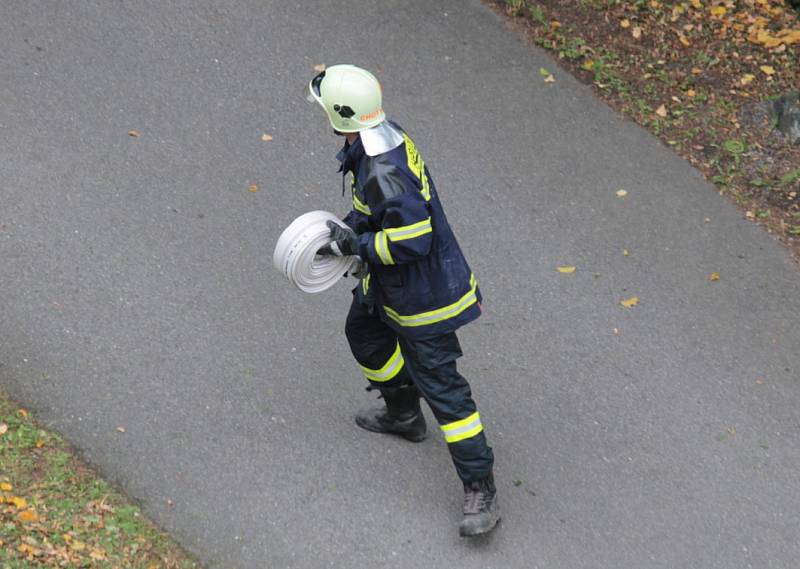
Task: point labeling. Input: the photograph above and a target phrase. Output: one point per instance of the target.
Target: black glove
(345, 241)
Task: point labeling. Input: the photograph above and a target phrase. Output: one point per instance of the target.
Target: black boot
(481, 512)
(400, 416)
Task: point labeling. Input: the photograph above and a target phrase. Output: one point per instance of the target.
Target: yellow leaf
(26, 549)
(731, 430)
(6, 487)
(39, 443)
(632, 301)
(636, 32)
(566, 270)
(319, 67)
(697, 4)
(77, 545)
(661, 111)
(27, 516)
(266, 137)
(97, 554)
(684, 40)
(713, 277)
(3, 429)
(555, 24)
(767, 69)
(588, 65)
(253, 188)
(691, 93)
(718, 11)
(622, 193)
(625, 23)
(696, 71)
(23, 413)
(20, 503)
(625, 252)
(747, 78)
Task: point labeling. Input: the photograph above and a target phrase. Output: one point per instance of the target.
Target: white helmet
(351, 97)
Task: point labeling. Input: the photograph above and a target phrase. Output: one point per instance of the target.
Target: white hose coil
(295, 253)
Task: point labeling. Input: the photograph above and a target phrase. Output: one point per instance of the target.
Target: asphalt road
(138, 291)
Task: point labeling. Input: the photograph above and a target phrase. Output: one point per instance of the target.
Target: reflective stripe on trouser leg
(463, 428)
(375, 347)
(432, 366)
(392, 367)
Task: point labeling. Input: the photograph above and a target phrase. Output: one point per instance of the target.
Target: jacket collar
(349, 156)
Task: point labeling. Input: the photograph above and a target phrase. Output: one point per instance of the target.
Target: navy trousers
(389, 361)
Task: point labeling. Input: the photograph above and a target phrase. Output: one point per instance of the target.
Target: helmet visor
(313, 92)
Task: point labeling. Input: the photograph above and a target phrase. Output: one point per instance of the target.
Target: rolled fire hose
(295, 253)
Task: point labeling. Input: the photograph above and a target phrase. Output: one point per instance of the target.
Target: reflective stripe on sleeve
(389, 370)
(409, 231)
(382, 248)
(359, 206)
(365, 283)
(440, 314)
(463, 428)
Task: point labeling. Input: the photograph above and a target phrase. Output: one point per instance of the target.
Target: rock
(786, 112)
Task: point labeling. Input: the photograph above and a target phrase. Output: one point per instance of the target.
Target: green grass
(56, 512)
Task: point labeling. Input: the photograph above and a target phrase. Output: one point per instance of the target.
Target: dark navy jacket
(419, 279)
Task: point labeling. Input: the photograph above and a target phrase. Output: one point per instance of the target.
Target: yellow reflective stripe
(409, 231)
(365, 283)
(463, 428)
(382, 248)
(359, 206)
(389, 370)
(440, 314)
(417, 166)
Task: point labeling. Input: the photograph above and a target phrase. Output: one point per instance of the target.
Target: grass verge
(700, 74)
(56, 512)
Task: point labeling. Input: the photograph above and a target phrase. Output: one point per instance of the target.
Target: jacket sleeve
(406, 233)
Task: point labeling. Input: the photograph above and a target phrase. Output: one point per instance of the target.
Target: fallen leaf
(26, 549)
(39, 443)
(760, 381)
(19, 503)
(27, 516)
(97, 554)
(121, 429)
(555, 24)
(253, 188)
(544, 72)
(691, 93)
(622, 193)
(266, 137)
(684, 40)
(632, 301)
(718, 11)
(566, 270)
(319, 67)
(588, 65)
(549, 79)
(23, 413)
(696, 71)
(731, 430)
(3, 429)
(77, 545)
(6, 487)
(767, 69)
(625, 252)
(133, 133)
(713, 277)
(661, 111)
(707, 220)
(749, 215)
(625, 23)
(616, 331)
(636, 32)
(747, 78)
(697, 4)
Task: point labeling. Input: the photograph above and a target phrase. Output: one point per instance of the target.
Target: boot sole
(409, 437)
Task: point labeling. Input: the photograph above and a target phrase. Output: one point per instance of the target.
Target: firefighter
(415, 291)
